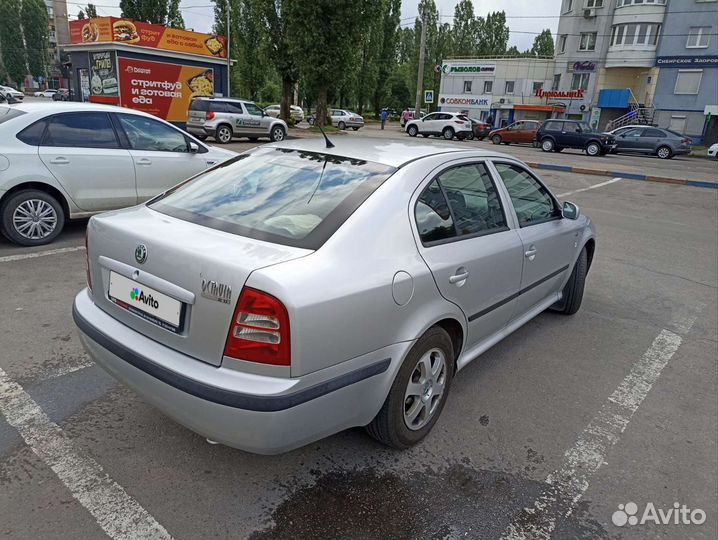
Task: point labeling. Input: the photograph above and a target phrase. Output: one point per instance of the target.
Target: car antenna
(330, 144)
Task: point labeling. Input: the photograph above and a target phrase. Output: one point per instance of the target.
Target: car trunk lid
(184, 291)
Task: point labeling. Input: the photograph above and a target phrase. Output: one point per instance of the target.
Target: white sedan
(444, 124)
(45, 93)
(9, 91)
(713, 151)
(72, 160)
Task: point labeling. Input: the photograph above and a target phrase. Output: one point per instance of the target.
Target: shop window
(698, 37)
(509, 87)
(587, 42)
(467, 87)
(688, 81)
(488, 87)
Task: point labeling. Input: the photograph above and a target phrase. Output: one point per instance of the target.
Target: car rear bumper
(195, 129)
(261, 414)
(681, 151)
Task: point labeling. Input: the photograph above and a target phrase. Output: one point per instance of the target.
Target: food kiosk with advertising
(147, 67)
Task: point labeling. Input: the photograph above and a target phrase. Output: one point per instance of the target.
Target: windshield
(280, 195)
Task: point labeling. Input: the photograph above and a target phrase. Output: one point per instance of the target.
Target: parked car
(616, 132)
(45, 93)
(521, 132)
(480, 130)
(445, 124)
(74, 159)
(713, 151)
(663, 143)
(10, 91)
(262, 350)
(555, 135)
(226, 118)
(295, 111)
(342, 119)
(62, 94)
(409, 114)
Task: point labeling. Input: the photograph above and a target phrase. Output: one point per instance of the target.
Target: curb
(626, 175)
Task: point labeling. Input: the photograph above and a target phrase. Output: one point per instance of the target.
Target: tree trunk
(322, 106)
(287, 91)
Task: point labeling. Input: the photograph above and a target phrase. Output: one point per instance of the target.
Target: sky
(525, 18)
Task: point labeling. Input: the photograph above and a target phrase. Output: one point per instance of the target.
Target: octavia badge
(141, 253)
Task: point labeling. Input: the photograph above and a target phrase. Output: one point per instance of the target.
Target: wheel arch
(456, 333)
(590, 247)
(40, 186)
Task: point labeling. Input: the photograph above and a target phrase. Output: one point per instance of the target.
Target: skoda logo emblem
(141, 253)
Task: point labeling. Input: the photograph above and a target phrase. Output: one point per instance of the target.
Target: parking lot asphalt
(544, 436)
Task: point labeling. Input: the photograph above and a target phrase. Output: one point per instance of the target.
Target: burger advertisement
(112, 29)
(162, 89)
(103, 77)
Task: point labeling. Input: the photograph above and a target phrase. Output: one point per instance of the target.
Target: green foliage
(543, 44)
(11, 41)
(493, 34)
(464, 32)
(36, 33)
(80, 15)
(91, 11)
(174, 15)
(151, 11)
(271, 92)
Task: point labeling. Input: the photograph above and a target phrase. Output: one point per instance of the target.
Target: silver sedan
(297, 290)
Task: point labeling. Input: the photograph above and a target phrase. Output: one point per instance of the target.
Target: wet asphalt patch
(456, 502)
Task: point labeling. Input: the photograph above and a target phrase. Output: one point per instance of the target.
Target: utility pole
(420, 76)
(229, 56)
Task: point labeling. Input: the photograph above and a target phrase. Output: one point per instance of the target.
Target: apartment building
(59, 35)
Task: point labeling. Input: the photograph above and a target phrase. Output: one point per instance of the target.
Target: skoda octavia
(298, 290)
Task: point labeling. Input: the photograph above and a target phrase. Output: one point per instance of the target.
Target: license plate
(146, 302)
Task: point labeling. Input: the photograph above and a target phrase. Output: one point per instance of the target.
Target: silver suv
(225, 118)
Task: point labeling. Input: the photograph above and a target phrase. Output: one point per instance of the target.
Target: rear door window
(83, 130)
(433, 217)
(234, 108)
(279, 195)
(218, 106)
(650, 132)
(553, 126)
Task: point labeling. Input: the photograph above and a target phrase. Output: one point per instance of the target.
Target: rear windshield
(280, 195)
(7, 113)
(199, 105)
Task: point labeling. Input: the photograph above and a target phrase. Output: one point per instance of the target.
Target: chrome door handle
(144, 161)
(456, 278)
(531, 252)
(60, 161)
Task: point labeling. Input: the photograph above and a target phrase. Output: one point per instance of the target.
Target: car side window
(81, 130)
(218, 106)
(253, 109)
(234, 108)
(553, 126)
(433, 217)
(33, 133)
(532, 201)
(653, 133)
(150, 135)
(635, 132)
(473, 199)
(432, 116)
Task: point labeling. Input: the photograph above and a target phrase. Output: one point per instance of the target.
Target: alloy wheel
(278, 134)
(664, 152)
(425, 389)
(34, 219)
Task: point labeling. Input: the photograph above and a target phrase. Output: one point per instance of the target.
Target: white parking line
(65, 370)
(601, 184)
(569, 482)
(116, 512)
(34, 255)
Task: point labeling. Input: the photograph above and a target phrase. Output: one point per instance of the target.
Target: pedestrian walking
(383, 116)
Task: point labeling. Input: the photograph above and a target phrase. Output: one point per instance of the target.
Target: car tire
(593, 149)
(448, 133)
(223, 134)
(390, 426)
(573, 290)
(547, 145)
(277, 134)
(24, 203)
(341, 126)
(481, 138)
(469, 137)
(558, 149)
(413, 131)
(664, 152)
(496, 139)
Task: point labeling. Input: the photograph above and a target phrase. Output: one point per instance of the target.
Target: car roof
(391, 152)
(234, 100)
(51, 107)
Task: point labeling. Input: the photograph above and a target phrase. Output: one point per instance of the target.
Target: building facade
(59, 35)
(607, 48)
(686, 95)
(503, 90)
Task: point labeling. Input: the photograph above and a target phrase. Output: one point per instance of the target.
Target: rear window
(199, 105)
(553, 126)
(7, 113)
(279, 195)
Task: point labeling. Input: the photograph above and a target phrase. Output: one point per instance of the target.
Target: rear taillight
(686, 141)
(260, 330)
(461, 122)
(87, 259)
(209, 115)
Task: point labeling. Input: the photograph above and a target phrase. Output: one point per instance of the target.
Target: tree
(543, 44)
(174, 15)
(321, 43)
(11, 41)
(151, 11)
(388, 58)
(91, 11)
(80, 15)
(35, 27)
(464, 30)
(493, 34)
(366, 74)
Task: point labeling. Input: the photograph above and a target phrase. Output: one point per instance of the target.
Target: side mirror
(622, 135)
(570, 210)
(193, 147)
